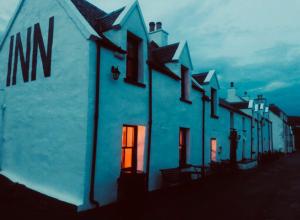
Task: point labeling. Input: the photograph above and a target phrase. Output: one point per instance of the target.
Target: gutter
(96, 128)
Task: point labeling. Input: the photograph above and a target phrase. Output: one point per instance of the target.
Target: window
(183, 135)
(213, 145)
(129, 148)
(185, 84)
(214, 102)
(132, 68)
(133, 148)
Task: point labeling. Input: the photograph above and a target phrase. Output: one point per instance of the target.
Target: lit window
(133, 58)
(133, 148)
(214, 149)
(183, 135)
(129, 148)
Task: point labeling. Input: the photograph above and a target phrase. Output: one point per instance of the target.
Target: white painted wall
(45, 129)
(169, 114)
(120, 103)
(278, 134)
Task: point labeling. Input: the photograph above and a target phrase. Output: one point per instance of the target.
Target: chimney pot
(158, 25)
(152, 26)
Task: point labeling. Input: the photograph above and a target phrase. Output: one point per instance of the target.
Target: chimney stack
(151, 27)
(157, 34)
(231, 93)
(246, 96)
(158, 26)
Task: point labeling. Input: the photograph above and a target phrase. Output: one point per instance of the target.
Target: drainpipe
(272, 146)
(203, 134)
(251, 148)
(258, 141)
(262, 135)
(150, 126)
(96, 128)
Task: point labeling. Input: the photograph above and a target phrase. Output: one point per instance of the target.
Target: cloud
(254, 43)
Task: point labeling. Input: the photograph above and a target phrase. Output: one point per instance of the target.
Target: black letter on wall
(38, 43)
(11, 47)
(24, 63)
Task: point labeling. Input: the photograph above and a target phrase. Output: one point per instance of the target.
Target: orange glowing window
(129, 148)
(182, 147)
(214, 150)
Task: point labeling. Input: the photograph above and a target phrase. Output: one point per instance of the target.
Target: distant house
(91, 100)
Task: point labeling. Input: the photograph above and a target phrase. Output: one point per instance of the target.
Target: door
(183, 147)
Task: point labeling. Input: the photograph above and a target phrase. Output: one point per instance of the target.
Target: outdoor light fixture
(115, 72)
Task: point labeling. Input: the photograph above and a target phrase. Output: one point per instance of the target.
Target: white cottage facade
(89, 98)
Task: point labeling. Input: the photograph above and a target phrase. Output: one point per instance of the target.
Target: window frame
(136, 58)
(213, 103)
(185, 85)
(134, 148)
(183, 147)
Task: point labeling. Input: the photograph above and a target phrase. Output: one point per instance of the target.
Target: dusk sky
(253, 43)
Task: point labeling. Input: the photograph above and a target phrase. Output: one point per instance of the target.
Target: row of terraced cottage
(88, 97)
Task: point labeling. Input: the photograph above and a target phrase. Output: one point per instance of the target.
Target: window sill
(135, 83)
(186, 101)
(214, 116)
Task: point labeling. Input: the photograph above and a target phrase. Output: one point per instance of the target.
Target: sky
(254, 43)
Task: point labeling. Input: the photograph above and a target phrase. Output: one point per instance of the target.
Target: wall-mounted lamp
(115, 72)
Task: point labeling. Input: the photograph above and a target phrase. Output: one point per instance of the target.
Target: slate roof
(228, 105)
(276, 110)
(99, 20)
(294, 121)
(200, 77)
(164, 54)
(108, 20)
(240, 105)
(158, 56)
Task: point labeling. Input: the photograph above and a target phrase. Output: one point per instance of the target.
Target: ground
(270, 192)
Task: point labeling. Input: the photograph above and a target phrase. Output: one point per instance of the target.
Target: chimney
(231, 93)
(151, 27)
(246, 96)
(158, 34)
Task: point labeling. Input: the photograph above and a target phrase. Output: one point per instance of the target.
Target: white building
(89, 98)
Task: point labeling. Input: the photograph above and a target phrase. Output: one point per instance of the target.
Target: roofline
(235, 110)
(209, 76)
(11, 22)
(165, 72)
(79, 21)
(196, 85)
(179, 50)
(125, 13)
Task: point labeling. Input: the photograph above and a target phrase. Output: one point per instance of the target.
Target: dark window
(183, 147)
(129, 148)
(213, 102)
(184, 83)
(132, 71)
